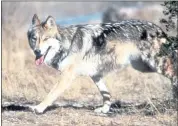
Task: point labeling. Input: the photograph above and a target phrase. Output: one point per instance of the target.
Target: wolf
(95, 50)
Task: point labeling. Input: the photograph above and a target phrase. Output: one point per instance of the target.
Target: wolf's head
(42, 38)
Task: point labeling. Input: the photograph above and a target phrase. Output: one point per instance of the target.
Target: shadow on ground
(118, 107)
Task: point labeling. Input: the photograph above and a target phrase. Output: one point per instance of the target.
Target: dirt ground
(73, 117)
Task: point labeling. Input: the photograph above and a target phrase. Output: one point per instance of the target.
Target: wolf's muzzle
(37, 53)
(39, 57)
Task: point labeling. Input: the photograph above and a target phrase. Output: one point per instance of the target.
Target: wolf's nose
(37, 52)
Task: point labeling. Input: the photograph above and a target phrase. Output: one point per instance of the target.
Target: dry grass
(69, 117)
(22, 80)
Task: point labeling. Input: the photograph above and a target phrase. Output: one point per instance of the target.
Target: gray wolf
(95, 51)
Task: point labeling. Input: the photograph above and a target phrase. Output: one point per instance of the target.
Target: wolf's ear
(35, 20)
(50, 22)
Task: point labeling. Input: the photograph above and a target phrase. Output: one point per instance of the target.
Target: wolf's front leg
(105, 94)
(66, 79)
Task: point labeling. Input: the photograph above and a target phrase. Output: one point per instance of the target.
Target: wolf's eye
(34, 38)
(46, 38)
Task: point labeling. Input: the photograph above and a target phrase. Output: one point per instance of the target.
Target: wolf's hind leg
(105, 94)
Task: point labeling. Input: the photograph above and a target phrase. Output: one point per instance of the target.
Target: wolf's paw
(104, 109)
(37, 109)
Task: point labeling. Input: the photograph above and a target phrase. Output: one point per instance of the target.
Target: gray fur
(98, 59)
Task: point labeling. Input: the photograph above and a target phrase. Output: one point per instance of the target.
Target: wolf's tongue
(39, 61)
